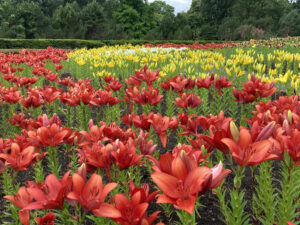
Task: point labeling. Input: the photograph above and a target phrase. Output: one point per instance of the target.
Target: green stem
(53, 161)
(38, 171)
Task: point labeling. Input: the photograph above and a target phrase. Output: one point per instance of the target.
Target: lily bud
(290, 117)
(75, 140)
(203, 148)
(182, 154)
(90, 123)
(266, 132)
(234, 131)
(286, 127)
(82, 171)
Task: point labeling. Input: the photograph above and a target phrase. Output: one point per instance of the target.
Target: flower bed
(200, 144)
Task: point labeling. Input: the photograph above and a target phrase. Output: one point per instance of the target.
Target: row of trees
(139, 19)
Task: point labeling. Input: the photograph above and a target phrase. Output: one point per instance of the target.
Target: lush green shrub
(77, 43)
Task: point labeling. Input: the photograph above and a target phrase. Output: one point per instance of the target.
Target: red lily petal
(166, 183)
(107, 210)
(24, 216)
(187, 204)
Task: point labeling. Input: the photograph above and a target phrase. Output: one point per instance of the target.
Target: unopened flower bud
(234, 131)
(290, 117)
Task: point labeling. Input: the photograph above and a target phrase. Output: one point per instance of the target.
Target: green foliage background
(139, 19)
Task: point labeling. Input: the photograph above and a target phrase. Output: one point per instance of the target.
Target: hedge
(77, 43)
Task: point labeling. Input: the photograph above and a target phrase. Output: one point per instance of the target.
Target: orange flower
(247, 152)
(19, 158)
(21, 200)
(181, 180)
(91, 195)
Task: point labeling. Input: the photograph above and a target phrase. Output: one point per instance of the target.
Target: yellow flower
(111, 64)
(144, 60)
(277, 65)
(162, 74)
(80, 62)
(228, 71)
(273, 72)
(271, 58)
(100, 73)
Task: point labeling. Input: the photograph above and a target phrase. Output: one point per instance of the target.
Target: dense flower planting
(148, 148)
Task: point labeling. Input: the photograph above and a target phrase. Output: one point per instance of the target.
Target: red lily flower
(67, 82)
(293, 146)
(70, 98)
(216, 135)
(133, 211)
(178, 83)
(221, 83)
(243, 97)
(253, 89)
(108, 79)
(146, 147)
(94, 136)
(194, 153)
(188, 100)
(19, 121)
(143, 75)
(125, 154)
(191, 125)
(12, 95)
(181, 180)
(100, 98)
(115, 85)
(58, 67)
(48, 136)
(50, 93)
(21, 200)
(49, 195)
(148, 76)
(205, 83)
(48, 219)
(141, 121)
(199, 142)
(160, 125)
(150, 97)
(114, 132)
(247, 152)
(97, 156)
(19, 158)
(33, 99)
(91, 195)
(259, 133)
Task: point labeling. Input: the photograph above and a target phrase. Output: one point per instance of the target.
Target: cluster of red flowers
(94, 154)
(53, 192)
(182, 176)
(159, 123)
(35, 59)
(180, 83)
(196, 45)
(254, 89)
(181, 179)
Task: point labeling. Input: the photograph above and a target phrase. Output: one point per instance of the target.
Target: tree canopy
(139, 19)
